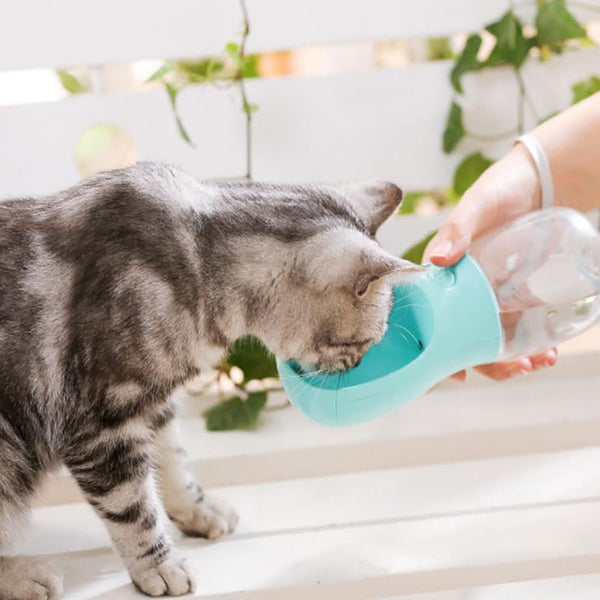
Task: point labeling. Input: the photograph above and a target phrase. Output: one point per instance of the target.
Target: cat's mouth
(344, 363)
(339, 358)
(328, 368)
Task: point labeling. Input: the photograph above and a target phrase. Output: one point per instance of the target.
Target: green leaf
(249, 108)
(415, 253)
(253, 358)
(585, 88)
(469, 170)
(454, 131)
(173, 91)
(511, 47)
(235, 413)
(250, 67)
(233, 49)
(587, 42)
(247, 65)
(410, 201)
(200, 71)
(71, 83)
(160, 72)
(555, 24)
(438, 48)
(467, 61)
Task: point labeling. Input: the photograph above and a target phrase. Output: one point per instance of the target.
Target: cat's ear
(375, 267)
(372, 201)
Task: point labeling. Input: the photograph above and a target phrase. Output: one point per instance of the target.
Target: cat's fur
(115, 291)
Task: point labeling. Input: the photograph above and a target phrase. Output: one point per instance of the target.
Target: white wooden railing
(468, 488)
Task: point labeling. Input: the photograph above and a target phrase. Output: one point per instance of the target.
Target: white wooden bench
(479, 490)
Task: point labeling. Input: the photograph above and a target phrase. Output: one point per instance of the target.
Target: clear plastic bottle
(544, 268)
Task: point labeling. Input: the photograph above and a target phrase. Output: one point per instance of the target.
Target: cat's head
(313, 283)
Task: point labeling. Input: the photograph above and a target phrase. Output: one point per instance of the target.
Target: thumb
(449, 244)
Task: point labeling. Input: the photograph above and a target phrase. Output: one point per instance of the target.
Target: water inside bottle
(555, 302)
(544, 268)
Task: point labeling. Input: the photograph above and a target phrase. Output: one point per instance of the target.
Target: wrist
(528, 174)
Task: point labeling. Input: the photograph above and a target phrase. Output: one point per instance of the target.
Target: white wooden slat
(369, 560)
(398, 234)
(350, 127)
(287, 24)
(68, 32)
(582, 587)
(545, 412)
(42, 138)
(420, 492)
(384, 124)
(388, 124)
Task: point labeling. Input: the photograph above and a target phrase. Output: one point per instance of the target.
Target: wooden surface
(469, 488)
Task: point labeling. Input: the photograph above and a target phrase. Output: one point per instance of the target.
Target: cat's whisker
(410, 305)
(304, 374)
(403, 297)
(337, 387)
(406, 293)
(403, 337)
(409, 332)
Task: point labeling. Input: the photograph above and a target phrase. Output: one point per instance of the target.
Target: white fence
(385, 123)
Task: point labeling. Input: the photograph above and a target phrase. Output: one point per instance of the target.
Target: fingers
(544, 359)
(460, 376)
(449, 244)
(505, 370)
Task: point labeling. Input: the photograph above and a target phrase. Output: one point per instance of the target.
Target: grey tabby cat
(115, 291)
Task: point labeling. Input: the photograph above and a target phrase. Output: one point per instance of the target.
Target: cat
(121, 288)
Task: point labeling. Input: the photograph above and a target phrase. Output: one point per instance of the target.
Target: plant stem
(532, 108)
(520, 103)
(242, 85)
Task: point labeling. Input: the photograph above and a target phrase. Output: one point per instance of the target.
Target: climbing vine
(230, 68)
(555, 30)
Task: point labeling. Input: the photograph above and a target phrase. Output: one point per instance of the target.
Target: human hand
(506, 190)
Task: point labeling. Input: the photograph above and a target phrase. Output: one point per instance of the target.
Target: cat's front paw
(209, 517)
(29, 579)
(169, 578)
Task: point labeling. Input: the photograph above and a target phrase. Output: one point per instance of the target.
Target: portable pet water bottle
(521, 289)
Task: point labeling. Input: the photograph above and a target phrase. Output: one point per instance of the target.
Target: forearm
(571, 141)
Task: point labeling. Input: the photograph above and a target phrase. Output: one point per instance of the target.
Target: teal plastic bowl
(441, 322)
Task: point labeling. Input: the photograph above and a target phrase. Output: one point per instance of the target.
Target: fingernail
(442, 249)
(551, 358)
(526, 365)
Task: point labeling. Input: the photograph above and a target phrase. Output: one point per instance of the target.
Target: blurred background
(424, 93)
(291, 91)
